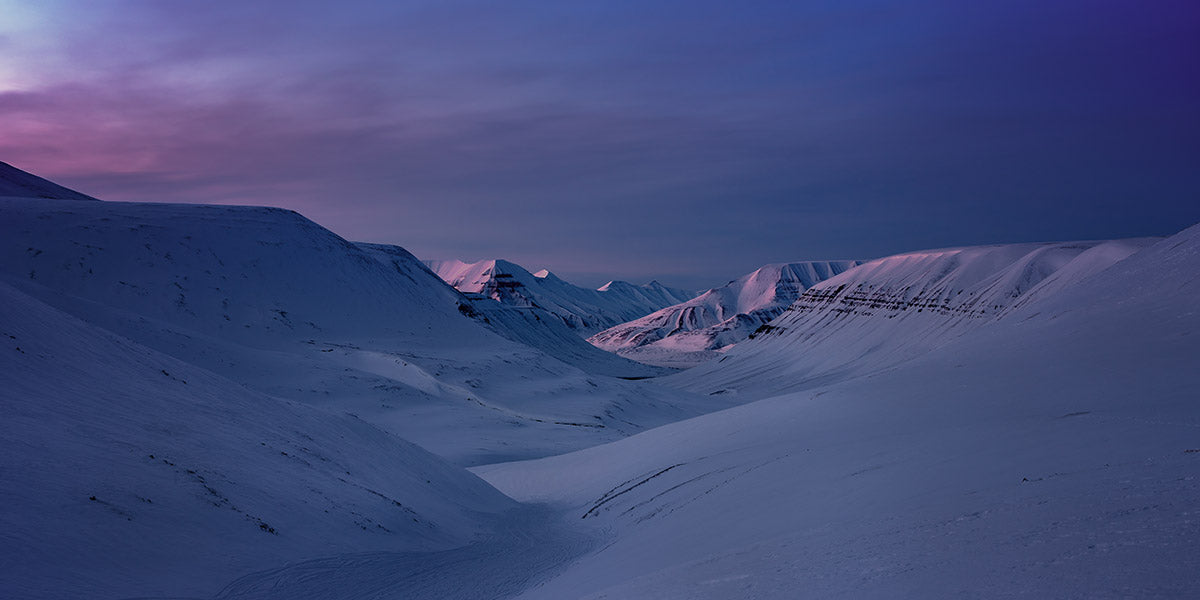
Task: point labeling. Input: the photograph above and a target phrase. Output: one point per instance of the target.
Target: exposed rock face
(695, 331)
(517, 319)
(892, 309)
(584, 310)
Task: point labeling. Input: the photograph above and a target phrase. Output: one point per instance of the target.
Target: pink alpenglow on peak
(584, 310)
(700, 329)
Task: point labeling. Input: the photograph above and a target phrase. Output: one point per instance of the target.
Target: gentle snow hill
(692, 332)
(17, 183)
(893, 309)
(252, 274)
(276, 302)
(527, 325)
(1049, 454)
(583, 310)
(129, 473)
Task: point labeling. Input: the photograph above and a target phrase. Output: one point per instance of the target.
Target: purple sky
(686, 141)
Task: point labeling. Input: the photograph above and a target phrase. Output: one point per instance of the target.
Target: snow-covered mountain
(695, 331)
(527, 324)
(584, 310)
(187, 392)
(893, 309)
(272, 300)
(21, 184)
(1048, 454)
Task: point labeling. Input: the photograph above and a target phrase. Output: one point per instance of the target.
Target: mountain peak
(691, 332)
(582, 309)
(613, 285)
(21, 184)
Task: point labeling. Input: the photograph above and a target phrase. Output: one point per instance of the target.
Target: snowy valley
(234, 402)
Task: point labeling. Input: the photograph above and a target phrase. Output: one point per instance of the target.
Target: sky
(688, 142)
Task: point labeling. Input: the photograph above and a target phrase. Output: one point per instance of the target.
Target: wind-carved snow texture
(214, 402)
(582, 310)
(692, 332)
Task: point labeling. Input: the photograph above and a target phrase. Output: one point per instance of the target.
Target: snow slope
(17, 183)
(1051, 453)
(273, 301)
(893, 309)
(583, 310)
(255, 275)
(689, 333)
(129, 473)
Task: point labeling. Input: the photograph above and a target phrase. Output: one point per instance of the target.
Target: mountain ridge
(21, 184)
(527, 324)
(582, 309)
(691, 332)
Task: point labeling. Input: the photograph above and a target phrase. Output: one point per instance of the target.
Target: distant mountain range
(584, 310)
(695, 331)
(525, 323)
